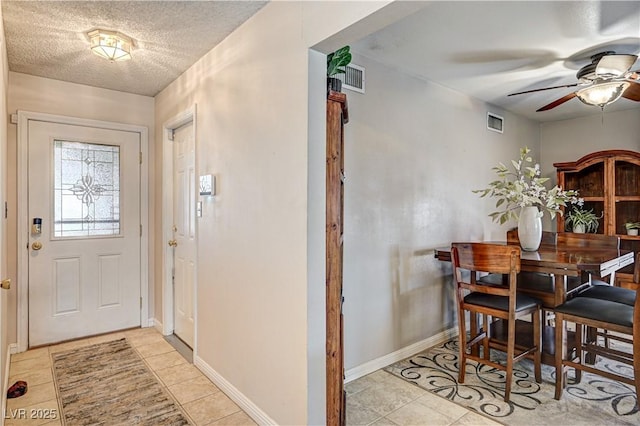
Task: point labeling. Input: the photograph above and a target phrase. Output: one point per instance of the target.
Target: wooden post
(336, 117)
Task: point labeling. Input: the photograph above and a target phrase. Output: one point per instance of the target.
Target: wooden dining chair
(609, 308)
(499, 305)
(590, 282)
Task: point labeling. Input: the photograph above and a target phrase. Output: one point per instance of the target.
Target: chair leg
(485, 342)
(511, 343)
(462, 344)
(559, 336)
(591, 335)
(537, 337)
(636, 371)
(475, 329)
(580, 336)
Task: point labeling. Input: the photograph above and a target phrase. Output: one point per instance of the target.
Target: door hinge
(170, 134)
(140, 157)
(141, 230)
(141, 303)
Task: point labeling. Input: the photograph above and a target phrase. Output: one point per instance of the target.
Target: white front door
(84, 261)
(184, 232)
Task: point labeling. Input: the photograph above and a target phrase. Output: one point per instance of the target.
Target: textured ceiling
(488, 49)
(48, 38)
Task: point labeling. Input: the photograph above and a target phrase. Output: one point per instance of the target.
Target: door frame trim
(168, 324)
(23, 211)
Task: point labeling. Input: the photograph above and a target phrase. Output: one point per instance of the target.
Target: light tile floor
(382, 399)
(376, 399)
(199, 398)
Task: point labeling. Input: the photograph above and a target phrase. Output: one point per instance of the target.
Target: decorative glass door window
(86, 189)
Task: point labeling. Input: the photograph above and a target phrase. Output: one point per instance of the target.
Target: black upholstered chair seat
(610, 293)
(599, 310)
(501, 303)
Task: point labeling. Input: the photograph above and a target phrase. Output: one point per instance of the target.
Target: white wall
(37, 94)
(414, 152)
(258, 327)
(4, 311)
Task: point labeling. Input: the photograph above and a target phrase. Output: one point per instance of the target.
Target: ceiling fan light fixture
(111, 45)
(602, 94)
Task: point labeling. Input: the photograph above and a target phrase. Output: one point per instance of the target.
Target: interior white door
(84, 261)
(184, 198)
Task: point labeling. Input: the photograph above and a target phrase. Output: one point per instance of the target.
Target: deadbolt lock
(37, 245)
(173, 243)
(5, 284)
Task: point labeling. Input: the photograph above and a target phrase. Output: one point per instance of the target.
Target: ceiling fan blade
(632, 92)
(615, 65)
(558, 102)
(545, 88)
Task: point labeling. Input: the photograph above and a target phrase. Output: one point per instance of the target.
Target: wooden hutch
(609, 183)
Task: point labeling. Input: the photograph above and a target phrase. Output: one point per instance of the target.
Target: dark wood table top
(563, 260)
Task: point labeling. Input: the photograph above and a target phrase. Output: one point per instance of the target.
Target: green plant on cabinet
(582, 220)
(632, 227)
(336, 64)
(337, 61)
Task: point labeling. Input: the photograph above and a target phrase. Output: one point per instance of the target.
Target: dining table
(562, 262)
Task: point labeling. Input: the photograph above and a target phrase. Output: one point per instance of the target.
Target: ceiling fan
(605, 80)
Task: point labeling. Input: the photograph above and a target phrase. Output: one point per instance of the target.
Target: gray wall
(568, 140)
(414, 152)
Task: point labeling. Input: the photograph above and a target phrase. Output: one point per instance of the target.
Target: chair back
(572, 239)
(548, 238)
(486, 257)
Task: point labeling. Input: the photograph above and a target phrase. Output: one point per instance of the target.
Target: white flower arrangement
(524, 187)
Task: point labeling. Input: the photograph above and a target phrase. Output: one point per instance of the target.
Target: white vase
(530, 228)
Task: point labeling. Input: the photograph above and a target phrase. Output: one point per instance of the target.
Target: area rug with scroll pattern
(594, 401)
(108, 384)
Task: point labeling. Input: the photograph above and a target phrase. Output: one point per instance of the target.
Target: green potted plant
(336, 63)
(582, 220)
(632, 228)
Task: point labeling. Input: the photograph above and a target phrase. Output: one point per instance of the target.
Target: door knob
(36, 245)
(173, 243)
(5, 284)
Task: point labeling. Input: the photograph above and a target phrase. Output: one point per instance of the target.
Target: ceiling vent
(495, 122)
(353, 78)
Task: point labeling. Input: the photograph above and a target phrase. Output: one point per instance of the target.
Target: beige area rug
(595, 401)
(109, 384)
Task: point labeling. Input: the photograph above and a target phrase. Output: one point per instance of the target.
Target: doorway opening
(179, 229)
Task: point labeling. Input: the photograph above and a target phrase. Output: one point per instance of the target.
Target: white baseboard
(232, 392)
(157, 324)
(378, 363)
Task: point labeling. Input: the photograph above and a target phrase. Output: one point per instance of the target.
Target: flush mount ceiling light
(602, 94)
(110, 45)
